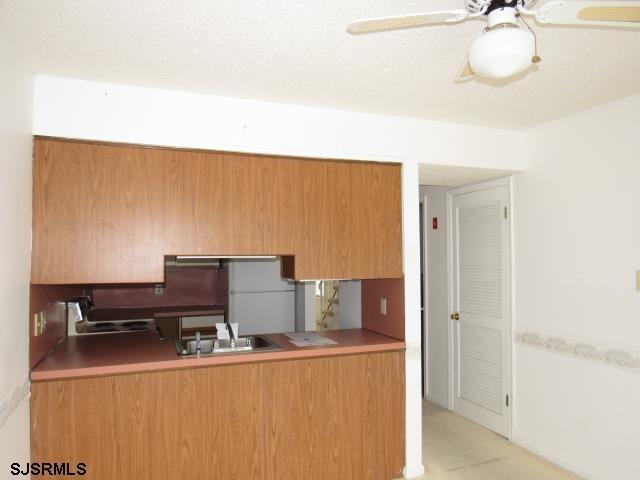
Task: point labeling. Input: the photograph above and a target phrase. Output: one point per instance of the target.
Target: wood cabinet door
(110, 213)
(97, 214)
(198, 423)
(320, 255)
(373, 220)
(336, 417)
(283, 208)
(348, 220)
(214, 203)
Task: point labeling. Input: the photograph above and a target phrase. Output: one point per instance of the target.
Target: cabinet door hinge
(506, 215)
(507, 400)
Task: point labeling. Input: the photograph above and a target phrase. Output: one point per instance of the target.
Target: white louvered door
(480, 298)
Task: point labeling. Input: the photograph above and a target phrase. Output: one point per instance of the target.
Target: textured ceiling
(450, 176)
(299, 52)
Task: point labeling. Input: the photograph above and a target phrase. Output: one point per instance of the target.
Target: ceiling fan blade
(406, 21)
(622, 14)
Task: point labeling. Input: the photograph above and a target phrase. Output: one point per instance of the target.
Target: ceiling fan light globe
(502, 53)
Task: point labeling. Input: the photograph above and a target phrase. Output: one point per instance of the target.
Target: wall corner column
(413, 365)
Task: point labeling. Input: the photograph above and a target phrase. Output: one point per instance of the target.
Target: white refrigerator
(260, 301)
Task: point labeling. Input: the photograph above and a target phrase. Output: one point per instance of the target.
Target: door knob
(455, 316)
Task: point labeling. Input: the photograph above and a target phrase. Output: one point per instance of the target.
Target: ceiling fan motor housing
(487, 6)
(497, 4)
(502, 16)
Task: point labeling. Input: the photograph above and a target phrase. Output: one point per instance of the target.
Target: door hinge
(505, 212)
(507, 400)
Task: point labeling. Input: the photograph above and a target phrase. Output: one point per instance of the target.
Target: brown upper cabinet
(108, 213)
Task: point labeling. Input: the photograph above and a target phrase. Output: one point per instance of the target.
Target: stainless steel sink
(212, 346)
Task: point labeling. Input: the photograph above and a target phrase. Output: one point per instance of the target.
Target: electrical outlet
(383, 306)
(39, 323)
(159, 289)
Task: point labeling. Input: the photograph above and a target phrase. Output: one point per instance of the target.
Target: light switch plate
(383, 306)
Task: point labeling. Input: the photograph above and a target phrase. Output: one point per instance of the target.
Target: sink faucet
(198, 342)
(232, 337)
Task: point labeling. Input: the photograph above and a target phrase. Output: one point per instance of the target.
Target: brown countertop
(132, 352)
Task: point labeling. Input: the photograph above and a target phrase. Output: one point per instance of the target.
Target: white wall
(15, 218)
(437, 297)
(577, 248)
(101, 111)
(98, 111)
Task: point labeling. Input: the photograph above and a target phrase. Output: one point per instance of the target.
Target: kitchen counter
(133, 352)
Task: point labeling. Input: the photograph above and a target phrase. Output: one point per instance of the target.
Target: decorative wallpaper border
(607, 356)
(13, 400)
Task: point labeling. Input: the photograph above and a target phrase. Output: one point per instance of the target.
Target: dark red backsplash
(391, 324)
(201, 286)
(50, 299)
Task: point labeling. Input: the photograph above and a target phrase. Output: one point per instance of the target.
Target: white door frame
(500, 182)
(425, 307)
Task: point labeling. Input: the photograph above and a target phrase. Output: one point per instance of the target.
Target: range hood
(177, 261)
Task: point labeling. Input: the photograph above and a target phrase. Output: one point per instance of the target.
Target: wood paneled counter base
(338, 417)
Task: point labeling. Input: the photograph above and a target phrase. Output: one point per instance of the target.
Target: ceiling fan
(507, 45)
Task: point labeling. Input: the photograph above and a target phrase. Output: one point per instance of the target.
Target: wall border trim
(613, 357)
(14, 399)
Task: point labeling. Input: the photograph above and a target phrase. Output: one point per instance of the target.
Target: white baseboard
(413, 471)
(437, 402)
(14, 399)
(555, 460)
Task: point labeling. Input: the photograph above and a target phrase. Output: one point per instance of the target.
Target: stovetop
(113, 327)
